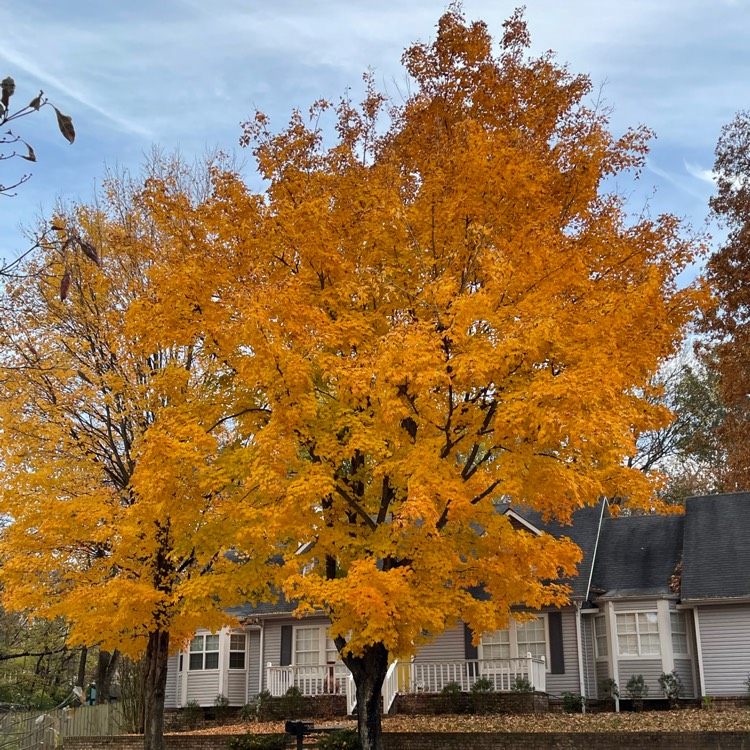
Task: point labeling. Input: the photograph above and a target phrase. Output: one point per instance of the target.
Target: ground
(684, 720)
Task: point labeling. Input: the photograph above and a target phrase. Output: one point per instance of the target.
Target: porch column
(614, 670)
(665, 635)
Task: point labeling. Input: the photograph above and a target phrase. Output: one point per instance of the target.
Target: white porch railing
(326, 679)
(412, 677)
(504, 674)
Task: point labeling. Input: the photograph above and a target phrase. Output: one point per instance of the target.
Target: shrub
(608, 689)
(258, 742)
(483, 685)
(671, 685)
(451, 688)
(292, 703)
(573, 703)
(221, 704)
(264, 706)
(522, 685)
(346, 739)
(193, 713)
(637, 690)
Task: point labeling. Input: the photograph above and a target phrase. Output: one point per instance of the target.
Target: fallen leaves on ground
(685, 720)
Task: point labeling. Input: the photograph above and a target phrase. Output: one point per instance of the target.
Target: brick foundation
(469, 703)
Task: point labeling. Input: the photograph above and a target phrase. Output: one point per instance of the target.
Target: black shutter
(286, 645)
(471, 652)
(556, 655)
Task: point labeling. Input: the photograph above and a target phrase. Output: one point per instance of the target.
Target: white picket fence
(42, 730)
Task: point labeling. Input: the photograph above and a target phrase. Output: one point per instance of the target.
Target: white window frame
(322, 650)
(515, 652)
(203, 651)
(640, 655)
(601, 656)
(242, 651)
(680, 615)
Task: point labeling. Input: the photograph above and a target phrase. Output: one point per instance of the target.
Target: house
(653, 594)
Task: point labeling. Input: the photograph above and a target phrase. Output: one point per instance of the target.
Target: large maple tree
(116, 447)
(442, 308)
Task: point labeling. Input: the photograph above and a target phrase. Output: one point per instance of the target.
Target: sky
(183, 74)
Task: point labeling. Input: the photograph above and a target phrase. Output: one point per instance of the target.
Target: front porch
(501, 675)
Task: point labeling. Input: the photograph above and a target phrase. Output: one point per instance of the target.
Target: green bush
(292, 703)
(522, 685)
(264, 706)
(193, 713)
(221, 706)
(573, 703)
(258, 742)
(451, 688)
(346, 739)
(637, 690)
(671, 686)
(483, 685)
(608, 689)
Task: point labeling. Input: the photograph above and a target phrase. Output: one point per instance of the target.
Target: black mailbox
(298, 728)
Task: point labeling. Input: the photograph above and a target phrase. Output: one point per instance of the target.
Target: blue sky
(184, 73)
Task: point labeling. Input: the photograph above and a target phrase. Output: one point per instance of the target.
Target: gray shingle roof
(716, 562)
(583, 531)
(637, 555)
(261, 609)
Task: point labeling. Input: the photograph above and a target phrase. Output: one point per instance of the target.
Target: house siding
(684, 669)
(448, 646)
(253, 662)
(202, 687)
(272, 638)
(725, 645)
(569, 681)
(235, 686)
(651, 669)
(602, 673)
(170, 696)
(589, 663)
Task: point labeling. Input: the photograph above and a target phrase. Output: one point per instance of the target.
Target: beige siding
(170, 696)
(725, 644)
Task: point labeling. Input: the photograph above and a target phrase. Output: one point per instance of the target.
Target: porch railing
(504, 674)
(326, 679)
(414, 677)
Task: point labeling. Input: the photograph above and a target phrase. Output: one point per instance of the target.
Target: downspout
(579, 641)
(605, 502)
(261, 660)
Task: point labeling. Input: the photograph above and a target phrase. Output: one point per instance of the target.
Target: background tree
(10, 142)
(687, 451)
(433, 316)
(727, 325)
(116, 451)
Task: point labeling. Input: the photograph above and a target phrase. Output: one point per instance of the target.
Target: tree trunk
(81, 678)
(154, 688)
(369, 672)
(106, 666)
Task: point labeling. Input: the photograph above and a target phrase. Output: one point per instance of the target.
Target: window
(679, 633)
(638, 634)
(496, 645)
(600, 636)
(531, 638)
(237, 651)
(204, 652)
(519, 639)
(314, 647)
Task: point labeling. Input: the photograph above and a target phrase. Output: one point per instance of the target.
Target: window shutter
(286, 645)
(556, 655)
(470, 650)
